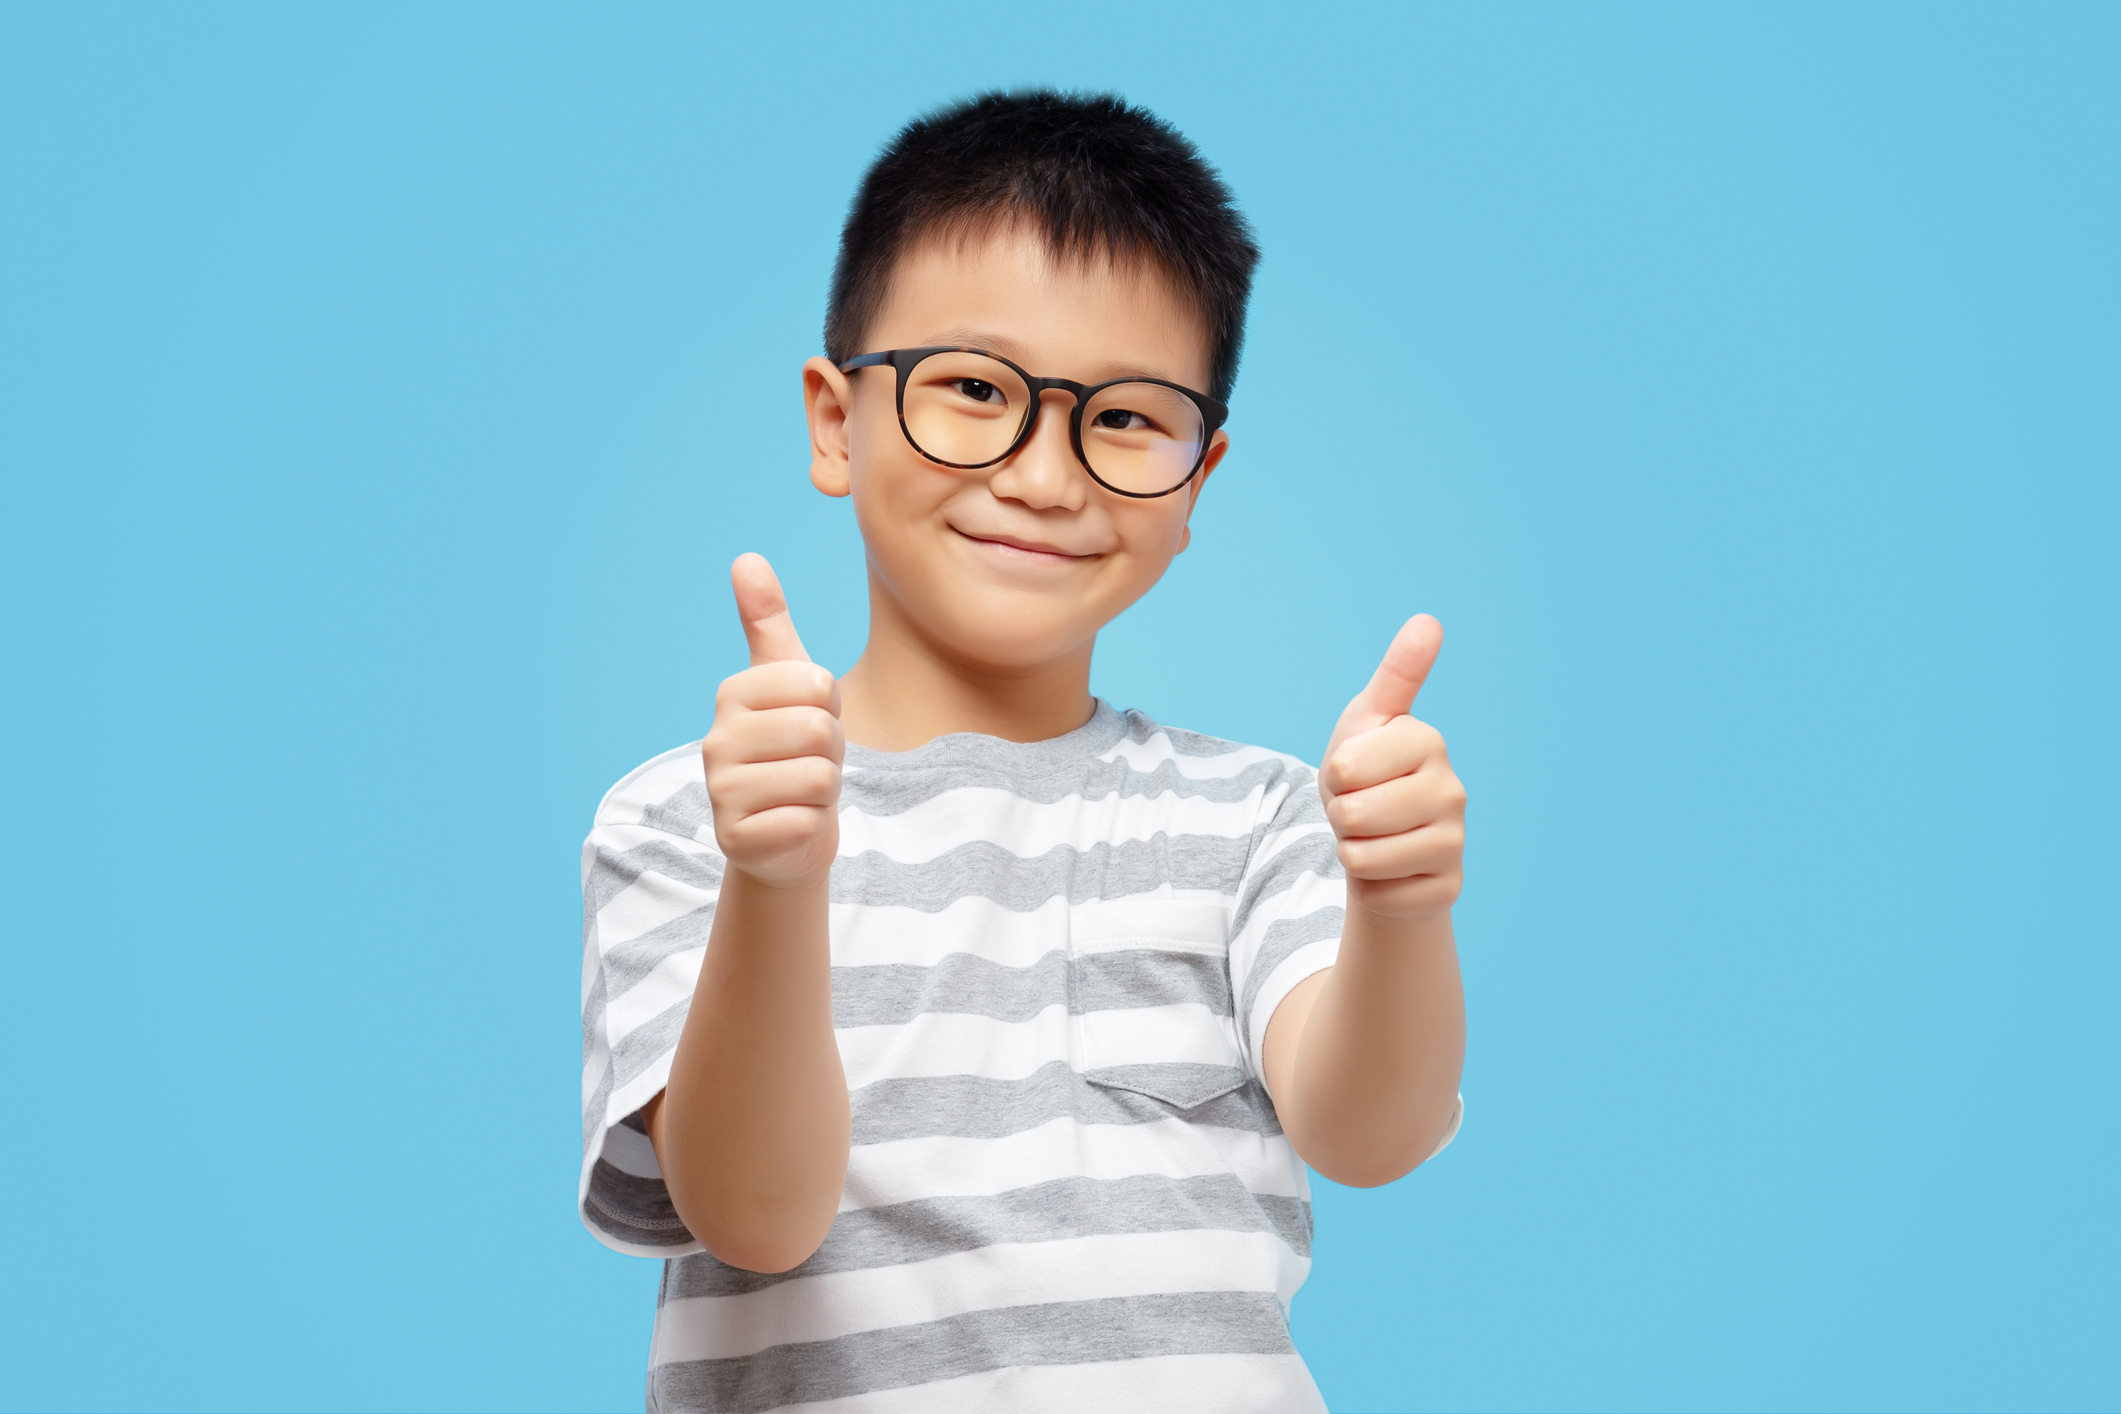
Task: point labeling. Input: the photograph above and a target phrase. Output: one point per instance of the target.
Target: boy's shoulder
(667, 793)
(1142, 730)
(1160, 760)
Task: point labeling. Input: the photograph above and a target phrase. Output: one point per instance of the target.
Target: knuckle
(820, 730)
(819, 774)
(1340, 767)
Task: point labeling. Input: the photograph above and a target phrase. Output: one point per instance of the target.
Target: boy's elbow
(767, 1256)
(1370, 1155)
(1365, 1170)
(769, 1242)
(768, 1234)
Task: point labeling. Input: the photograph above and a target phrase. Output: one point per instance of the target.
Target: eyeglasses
(967, 408)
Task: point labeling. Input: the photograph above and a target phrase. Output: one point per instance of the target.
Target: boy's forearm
(1377, 1064)
(753, 1131)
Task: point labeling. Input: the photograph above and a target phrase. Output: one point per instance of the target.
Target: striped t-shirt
(1053, 964)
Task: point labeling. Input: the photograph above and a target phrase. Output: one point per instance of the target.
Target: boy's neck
(905, 691)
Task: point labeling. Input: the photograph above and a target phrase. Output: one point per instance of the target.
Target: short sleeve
(650, 877)
(1291, 906)
(1291, 903)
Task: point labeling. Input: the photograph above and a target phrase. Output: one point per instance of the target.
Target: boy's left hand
(1396, 806)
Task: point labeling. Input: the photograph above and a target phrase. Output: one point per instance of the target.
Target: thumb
(764, 610)
(1391, 689)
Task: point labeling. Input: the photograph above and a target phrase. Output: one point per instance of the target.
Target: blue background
(384, 392)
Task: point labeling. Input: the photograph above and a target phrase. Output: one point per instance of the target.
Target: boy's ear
(1217, 445)
(828, 397)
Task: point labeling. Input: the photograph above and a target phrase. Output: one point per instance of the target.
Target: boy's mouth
(1017, 549)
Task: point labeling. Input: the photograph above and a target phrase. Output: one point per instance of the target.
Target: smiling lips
(1030, 549)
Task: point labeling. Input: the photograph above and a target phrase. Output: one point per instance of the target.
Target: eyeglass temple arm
(868, 360)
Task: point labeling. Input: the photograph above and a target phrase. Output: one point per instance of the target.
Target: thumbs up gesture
(773, 757)
(1396, 806)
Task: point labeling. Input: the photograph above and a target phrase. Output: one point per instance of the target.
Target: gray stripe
(638, 1051)
(592, 1012)
(1092, 738)
(593, 1111)
(1043, 1212)
(629, 962)
(1314, 854)
(1141, 729)
(683, 812)
(966, 984)
(614, 870)
(632, 1209)
(1057, 1333)
(1301, 805)
(985, 870)
(1282, 940)
(974, 1107)
(887, 793)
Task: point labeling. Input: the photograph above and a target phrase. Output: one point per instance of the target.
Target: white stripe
(1272, 844)
(1188, 920)
(672, 982)
(1158, 751)
(594, 1067)
(1178, 1033)
(983, 814)
(865, 935)
(903, 1169)
(937, 1043)
(1306, 895)
(592, 951)
(1005, 1274)
(1158, 1384)
(1306, 960)
(647, 904)
(650, 784)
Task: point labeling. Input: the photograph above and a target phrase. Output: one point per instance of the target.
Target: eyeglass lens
(966, 408)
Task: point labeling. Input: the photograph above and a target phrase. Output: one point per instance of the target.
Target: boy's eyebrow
(1015, 352)
(996, 343)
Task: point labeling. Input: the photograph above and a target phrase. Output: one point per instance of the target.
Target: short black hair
(1094, 174)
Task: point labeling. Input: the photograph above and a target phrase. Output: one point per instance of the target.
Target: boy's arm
(753, 1129)
(1363, 1059)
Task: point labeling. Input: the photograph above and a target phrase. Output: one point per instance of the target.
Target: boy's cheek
(902, 506)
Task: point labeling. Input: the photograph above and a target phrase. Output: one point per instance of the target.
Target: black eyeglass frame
(902, 361)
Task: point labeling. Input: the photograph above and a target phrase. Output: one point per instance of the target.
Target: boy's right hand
(773, 757)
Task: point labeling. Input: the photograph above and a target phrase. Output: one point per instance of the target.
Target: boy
(959, 1040)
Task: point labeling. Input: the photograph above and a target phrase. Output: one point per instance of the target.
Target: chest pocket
(1149, 1000)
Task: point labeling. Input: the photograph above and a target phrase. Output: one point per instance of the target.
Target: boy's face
(1017, 564)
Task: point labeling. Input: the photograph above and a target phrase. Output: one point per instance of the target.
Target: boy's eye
(1120, 420)
(978, 391)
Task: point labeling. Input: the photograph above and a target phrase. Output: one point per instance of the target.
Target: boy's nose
(1044, 474)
